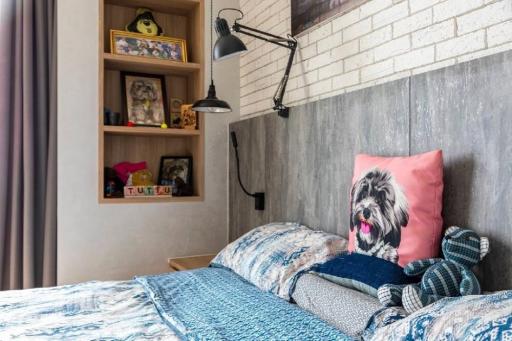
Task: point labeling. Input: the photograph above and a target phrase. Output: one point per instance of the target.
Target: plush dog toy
(144, 23)
(451, 276)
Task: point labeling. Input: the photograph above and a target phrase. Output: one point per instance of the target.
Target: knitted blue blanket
(217, 304)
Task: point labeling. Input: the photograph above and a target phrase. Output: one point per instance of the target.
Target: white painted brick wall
(412, 23)
(415, 58)
(392, 48)
(392, 14)
(358, 29)
(433, 34)
(381, 41)
(376, 38)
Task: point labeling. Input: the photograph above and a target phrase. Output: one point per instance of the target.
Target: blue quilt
(217, 304)
(113, 311)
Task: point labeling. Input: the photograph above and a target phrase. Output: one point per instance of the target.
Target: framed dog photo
(136, 44)
(176, 171)
(144, 98)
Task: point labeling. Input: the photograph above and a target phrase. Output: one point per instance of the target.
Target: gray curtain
(28, 144)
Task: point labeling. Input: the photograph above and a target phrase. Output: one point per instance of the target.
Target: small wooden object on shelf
(147, 191)
(189, 263)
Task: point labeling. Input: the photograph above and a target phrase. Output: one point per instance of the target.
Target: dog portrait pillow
(395, 206)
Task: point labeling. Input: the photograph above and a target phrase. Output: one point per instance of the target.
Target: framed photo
(308, 13)
(176, 171)
(175, 104)
(175, 120)
(188, 117)
(136, 44)
(144, 98)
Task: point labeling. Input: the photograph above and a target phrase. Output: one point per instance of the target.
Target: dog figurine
(144, 23)
(378, 213)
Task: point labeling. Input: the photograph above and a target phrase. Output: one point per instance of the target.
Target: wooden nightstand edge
(192, 262)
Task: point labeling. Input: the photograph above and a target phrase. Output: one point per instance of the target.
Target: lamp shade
(211, 104)
(227, 45)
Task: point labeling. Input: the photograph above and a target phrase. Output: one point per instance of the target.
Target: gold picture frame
(140, 45)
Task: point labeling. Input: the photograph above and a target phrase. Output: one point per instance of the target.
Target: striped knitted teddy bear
(451, 276)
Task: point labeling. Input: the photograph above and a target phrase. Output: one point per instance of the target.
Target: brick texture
(380, 41)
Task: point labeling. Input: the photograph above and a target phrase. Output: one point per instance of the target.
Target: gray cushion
(346, 309)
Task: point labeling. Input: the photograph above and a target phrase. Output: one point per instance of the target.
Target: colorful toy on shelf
(145, 23)
(113, 185)
(141, 177)
(163, 126)
(130, 124)
(124, 169)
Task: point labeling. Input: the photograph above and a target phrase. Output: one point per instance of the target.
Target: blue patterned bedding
(217, 304)
(476, 317)
(272, 256)
(205, 304)
(87, 311)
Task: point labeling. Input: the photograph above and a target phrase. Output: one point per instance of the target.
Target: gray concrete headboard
(304, 163)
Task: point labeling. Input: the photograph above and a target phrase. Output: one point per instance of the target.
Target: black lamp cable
(211, 42)
(231, 9)
(237, 158)
(259, 197)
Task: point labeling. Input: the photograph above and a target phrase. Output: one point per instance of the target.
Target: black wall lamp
(259, 197)
(228, 45)
(211, 104)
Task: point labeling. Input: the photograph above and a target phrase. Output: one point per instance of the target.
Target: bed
(263, 286)
(245, 294)
(203, 304)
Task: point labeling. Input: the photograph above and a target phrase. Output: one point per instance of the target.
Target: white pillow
(476, 317)
(271, 256)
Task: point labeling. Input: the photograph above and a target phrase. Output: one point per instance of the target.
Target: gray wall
(304, 164)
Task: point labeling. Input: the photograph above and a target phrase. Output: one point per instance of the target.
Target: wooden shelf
(165, 6)
(185, 81)
(148, 131)
(138, 200)
(148, 65)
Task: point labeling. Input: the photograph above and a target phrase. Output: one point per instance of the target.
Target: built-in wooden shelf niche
(179, 19)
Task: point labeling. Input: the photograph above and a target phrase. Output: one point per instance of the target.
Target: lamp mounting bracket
(289, 43)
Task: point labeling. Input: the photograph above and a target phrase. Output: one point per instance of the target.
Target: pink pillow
(396, 206)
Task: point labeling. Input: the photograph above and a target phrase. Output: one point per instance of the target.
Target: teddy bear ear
(451, 229)
(484, 247)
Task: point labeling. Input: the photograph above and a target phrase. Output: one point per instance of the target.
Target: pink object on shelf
(123, 169)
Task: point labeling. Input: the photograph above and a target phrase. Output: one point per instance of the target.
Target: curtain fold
(28, 144)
